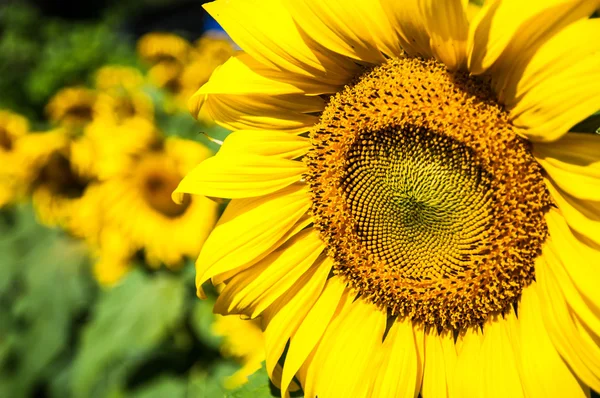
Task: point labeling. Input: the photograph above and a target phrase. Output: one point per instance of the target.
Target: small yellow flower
(12, 127)
(72, 107)
(213, 49)
(112, 77)
(61, 193)
(113, 256)
(159, 47)
(14, 172)
(106, 148)
(138, 205)
(117, 106)
(166, 75)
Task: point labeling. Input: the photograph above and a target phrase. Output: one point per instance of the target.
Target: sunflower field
(299, 198)
(97, 294)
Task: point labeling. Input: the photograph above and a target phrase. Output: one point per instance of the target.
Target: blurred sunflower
(156, 48)
(113, 254)
(166, 76)
(13, 174)
(242, 340)
(62, 194)
(72, 107)
(138, 206)
(213, 48)
(116, 106)
(12, 127)
(410, 212)
(112, 77)
(106, 148)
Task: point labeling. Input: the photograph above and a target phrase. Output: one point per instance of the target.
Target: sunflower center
(158, 186)
(124, 108)
(430, 203)
(62, 180)
(80, 112)
(6, 142)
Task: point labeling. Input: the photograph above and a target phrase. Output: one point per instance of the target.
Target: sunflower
(119, 105)
(112, 77)
(113, 254)
(411, 212)
(13, 174)
(137, 204)
(72, 107)
(107, 148)
(242, 340)
(213, 48)
(63, 193)
(158, 47)
(166, 76)
(12, 127)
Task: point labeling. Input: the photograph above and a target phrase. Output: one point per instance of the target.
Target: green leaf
(48, 285)
(129, 321)
(203, 385)
(202, 321)
(258, 386)
(164, 387)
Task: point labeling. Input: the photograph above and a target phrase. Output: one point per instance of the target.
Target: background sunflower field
(97, 294)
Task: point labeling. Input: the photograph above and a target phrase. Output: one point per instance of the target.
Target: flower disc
(429, 201)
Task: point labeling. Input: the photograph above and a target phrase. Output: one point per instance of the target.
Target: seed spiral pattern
(429, 201)
(413, 195)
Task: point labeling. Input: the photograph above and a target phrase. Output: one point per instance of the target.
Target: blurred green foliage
(44, 292)
(62, 336)
(40, 55)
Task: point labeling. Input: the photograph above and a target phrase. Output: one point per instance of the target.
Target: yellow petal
(247, 230)
(504, 30)
(440, 362)
(499, 364)
(358, 29)
(282, 319)
(310, 331)
(265, 143)
(468, 380)
(266, 31)
(240, 175)
(420, 344)
(398, 373)
(558, 88)
(582, 216)
(242, 75)
(580, 260)
(550, 266)
(583, 358)
(291, 112)
(309, 372)
(447, 26)
(544, 60)
(346, 354)
(573, 163)
(257, 287)
(545, 373)
(303, 222)
(409, 24)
